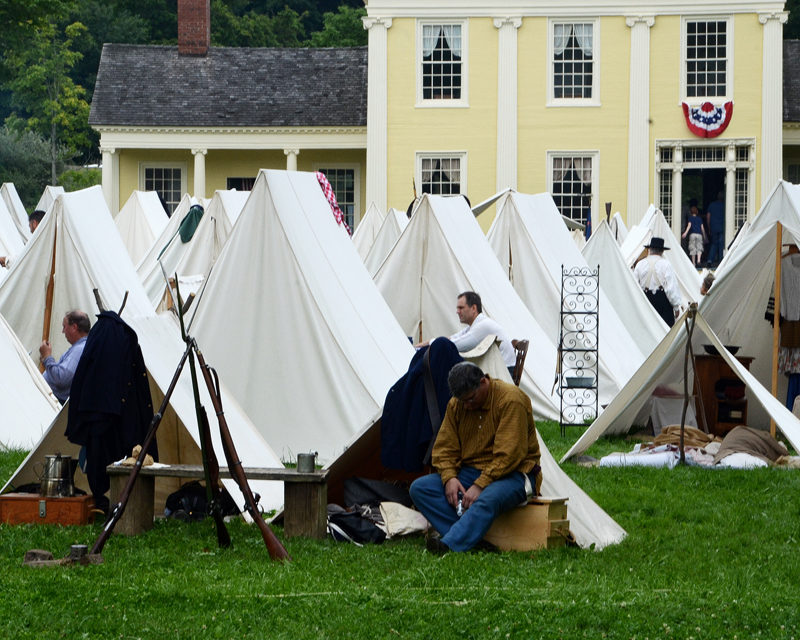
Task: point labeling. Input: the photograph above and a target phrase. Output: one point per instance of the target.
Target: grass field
(709, 554)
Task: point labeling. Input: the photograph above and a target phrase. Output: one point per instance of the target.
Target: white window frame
(442, 102)
(594, 101)
(183, 166)
(729, 50)
(441, 155)
(357, 211)
(594, 154)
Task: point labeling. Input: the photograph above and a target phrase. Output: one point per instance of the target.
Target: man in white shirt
(656, 277)
(470, 313)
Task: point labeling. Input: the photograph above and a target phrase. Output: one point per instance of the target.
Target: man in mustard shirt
(487, 457)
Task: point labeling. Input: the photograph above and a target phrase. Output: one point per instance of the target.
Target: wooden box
(21, 508)
(540, 524)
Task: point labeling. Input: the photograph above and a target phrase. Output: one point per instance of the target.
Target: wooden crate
(21, 508)
(540, 524)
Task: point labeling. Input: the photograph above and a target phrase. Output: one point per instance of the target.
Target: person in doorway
(487, 459)
(696, 232)
(75, 327)
(34, 219)
(716, 229)
(657, 279)
(470, 312)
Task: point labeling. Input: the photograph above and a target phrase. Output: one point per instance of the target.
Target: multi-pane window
(573, 61)
(665, 194)
(793, 173)
(442, 62)
(440, 176)
(741, 197)
(706, 58)
(572, 186)
(167, 182)
(343, 183)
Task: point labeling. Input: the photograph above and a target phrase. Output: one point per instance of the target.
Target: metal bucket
(306, 462)
(57, 477)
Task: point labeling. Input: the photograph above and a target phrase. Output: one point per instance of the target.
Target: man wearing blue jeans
(487, 457)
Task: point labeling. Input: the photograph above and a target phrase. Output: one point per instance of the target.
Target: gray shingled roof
(141, 85)
(791, 80)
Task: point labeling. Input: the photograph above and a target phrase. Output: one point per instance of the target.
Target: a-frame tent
(737, 301)
(393, 225)
(665, 367)
(532, 245)
(48, 197)
(13, 202)
(655, 224)
(619, 229)
(80, 234)
(617, 281)
(27, 406)
(443, 252)
(316, 347)
(140, 221)
(11, 242)
(168, 248)
(367, 230)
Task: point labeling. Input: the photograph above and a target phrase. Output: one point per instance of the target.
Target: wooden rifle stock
(119, 508)
(274, 547)
(212, 481)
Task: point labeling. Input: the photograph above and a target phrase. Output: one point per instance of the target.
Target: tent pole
(48, 298)
(776, 325)
(687, 354)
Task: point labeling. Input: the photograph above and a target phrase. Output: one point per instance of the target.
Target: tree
(50, 102)
(285, 29)
(341, 29)
(24, 160)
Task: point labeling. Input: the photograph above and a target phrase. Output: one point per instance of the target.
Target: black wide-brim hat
(656, 243)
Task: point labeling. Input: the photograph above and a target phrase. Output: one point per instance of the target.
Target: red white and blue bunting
(708, 120)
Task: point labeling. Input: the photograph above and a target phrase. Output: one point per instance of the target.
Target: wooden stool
(540, 524)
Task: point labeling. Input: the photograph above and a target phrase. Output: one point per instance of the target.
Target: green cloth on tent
(190, 222)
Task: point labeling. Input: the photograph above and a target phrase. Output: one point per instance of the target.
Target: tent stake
(776, 324)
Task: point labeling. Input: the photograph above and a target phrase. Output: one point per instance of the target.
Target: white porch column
(507, 101)
(639, 118)
(771, 100)
(110, 176)
(199, 172)
(730, 190)
(291, 158)
(677, 190)
(377, 87)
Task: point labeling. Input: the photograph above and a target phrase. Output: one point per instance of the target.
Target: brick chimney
(194, 27)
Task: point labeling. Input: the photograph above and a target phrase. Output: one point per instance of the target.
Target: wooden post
(776, 326)
(48, 297)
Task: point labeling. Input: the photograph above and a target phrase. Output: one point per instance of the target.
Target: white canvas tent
(48, 197)
(618, 228)
(393, 225)
(89, 253)
(140, 221)
(737, 301)
(168, 248)
(623, 292)
(27, 406)
(443, 252)
(11, 242)
(367, 230)
(532, 245)
(9, 194)
(665, 367)
(654, 224)
(316, 348)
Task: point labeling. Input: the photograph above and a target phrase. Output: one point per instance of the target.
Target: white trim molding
(594, 101)
(377, 106)
(772, 100)
(639, 117)
(110, 178)
(434, 103)
(506, 169)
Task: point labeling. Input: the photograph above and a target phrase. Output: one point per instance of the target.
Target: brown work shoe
(434, 544)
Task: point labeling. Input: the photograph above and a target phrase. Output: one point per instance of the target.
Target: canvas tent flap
(317, 349)
(617, 281)
(665, 366)
(392, 226)
(11, 242)
(48, 197)
(443, 252)
(140, 221)
(9, 194)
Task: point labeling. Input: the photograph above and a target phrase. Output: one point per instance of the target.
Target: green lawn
(709, 554)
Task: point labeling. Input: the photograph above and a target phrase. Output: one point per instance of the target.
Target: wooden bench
(305, 496)
(540, 524)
